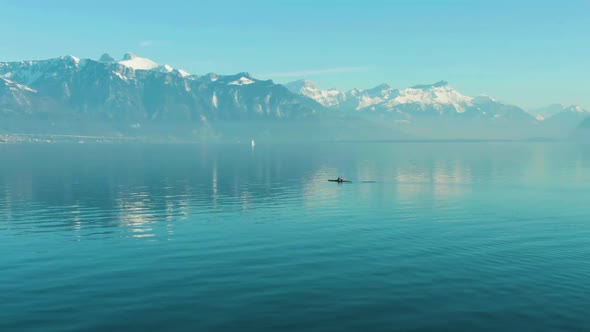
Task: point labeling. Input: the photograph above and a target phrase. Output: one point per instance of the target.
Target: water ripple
(457, 239)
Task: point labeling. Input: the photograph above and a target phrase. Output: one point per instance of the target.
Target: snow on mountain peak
(211, 77)
(437, 93)
(431, 95)
(137, 62)
(241, 81)
(165, 69)
(183, 73)
(244, 74)
(328, 98)
(133, 61)
(574, 109)
(371, 97)
(71, 58)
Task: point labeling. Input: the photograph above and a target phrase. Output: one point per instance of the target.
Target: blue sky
(530, 53)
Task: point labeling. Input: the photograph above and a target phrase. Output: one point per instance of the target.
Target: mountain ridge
(136, 92)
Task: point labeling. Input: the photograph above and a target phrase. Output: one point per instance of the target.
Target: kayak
(339, 181)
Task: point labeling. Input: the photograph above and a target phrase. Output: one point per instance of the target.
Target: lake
(455, 236)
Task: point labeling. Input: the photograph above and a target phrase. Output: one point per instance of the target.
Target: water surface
(449, 236)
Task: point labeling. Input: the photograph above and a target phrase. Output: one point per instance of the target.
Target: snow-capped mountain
(138, 89)
(328, 98)
(136, 92)
(547, 111)
(434, 99)
(555, 111)
(565, 121)
(439, 97)
(432, 110)
(574, 109)
(138, 63)
(133, 61)
(358, 99)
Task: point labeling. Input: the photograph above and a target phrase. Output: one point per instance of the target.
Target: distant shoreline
(97, 139)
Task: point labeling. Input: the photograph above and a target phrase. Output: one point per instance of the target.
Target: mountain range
(439, 104)
(137, 95)
(434, 99)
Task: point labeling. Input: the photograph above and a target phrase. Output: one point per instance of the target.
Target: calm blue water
(451, 236)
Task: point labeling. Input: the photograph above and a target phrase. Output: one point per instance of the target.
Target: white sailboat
(253, 144)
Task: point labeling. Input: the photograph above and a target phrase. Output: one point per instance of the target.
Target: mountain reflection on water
(135, 187)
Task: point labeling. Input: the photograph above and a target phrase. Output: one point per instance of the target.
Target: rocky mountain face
(16, 98)
(573, 121)
(68, 94)
(546, 112)
(562, 123)
(582, 132)
(139, 91)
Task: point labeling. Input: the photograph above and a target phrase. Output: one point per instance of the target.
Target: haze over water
(446, 236)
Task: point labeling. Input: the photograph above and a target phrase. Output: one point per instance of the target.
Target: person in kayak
(340, 179)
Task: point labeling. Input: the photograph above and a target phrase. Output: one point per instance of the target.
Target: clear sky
(530, 53)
